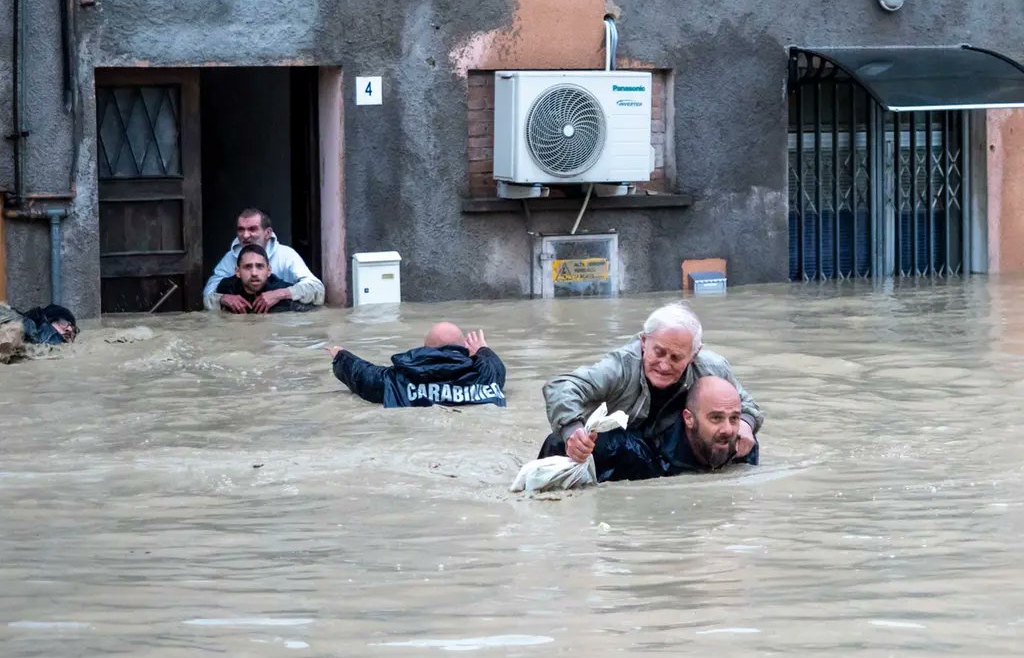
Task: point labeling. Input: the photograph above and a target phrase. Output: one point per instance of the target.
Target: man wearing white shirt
(254, 228)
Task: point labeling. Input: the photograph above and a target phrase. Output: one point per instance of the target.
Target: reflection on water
(201, 483)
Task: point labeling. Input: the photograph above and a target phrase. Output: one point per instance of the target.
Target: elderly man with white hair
(648, 378)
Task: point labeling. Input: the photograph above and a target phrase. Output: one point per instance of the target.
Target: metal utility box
(376, 278)
(708, 283)
(576, 265)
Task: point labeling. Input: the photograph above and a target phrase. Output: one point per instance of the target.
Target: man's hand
(745, 440)
(333, 350)
(267, 299)
(580, 444)
(235, 303)
(474, 341)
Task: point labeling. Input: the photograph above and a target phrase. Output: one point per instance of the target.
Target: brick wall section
(659, 134)
(481, 134)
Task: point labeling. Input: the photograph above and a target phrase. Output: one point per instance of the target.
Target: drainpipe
(55, 278)
(54, 216)
(18, 97)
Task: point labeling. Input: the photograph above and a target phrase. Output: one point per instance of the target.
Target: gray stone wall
(406, 162)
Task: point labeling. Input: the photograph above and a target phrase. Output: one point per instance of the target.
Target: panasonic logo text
(623, 88)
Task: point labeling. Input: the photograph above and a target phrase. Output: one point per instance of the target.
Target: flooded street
(207, 486)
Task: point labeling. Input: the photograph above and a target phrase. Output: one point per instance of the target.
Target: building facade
(145, 127)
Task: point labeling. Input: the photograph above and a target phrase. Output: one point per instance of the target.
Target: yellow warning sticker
(580, 269)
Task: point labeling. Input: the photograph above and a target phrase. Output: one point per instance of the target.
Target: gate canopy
(906, 79)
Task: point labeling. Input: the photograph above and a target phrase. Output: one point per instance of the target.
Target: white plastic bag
(556, 472)
(561, 472)
(602, 421)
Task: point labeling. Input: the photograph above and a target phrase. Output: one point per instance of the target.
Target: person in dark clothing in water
(252, 278)
(50, 325)
(702, 439)
(42, 325)
(450, 369)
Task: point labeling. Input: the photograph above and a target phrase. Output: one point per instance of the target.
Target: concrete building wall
(405, 162)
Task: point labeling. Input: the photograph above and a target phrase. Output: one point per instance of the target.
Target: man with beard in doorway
(702, 439)
(252, 280)
(254, 228)
(648, 379)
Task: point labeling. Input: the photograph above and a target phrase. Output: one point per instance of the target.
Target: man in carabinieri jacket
(450, 369)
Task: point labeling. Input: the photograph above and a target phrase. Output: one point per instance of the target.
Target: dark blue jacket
(43, 334)
(232, 285)
(37, 324)
(625, 455)
(425, 376)
(676, 453)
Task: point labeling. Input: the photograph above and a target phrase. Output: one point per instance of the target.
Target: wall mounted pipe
(18, 98)
(54, 216)
(611, 43)
(55, 260)
(3, 253)
(67, 54)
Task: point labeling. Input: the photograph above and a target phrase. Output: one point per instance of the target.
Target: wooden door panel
(132, 265)
(142, 293)
(149, 188)
(141, 227)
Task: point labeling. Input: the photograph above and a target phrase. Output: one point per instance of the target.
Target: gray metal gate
(871, 192)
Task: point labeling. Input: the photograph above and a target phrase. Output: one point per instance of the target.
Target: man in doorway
(254, 228)
(647, 379)
(450, 369)
(702, 439)
(252, 280)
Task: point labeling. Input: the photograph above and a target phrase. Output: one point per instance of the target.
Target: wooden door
(148, 160)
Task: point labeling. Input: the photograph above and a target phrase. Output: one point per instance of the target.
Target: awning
(904, 79)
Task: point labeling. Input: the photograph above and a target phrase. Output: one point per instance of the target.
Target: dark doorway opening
(260, 148)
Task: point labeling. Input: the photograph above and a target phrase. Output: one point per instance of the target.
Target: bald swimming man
(450, 369)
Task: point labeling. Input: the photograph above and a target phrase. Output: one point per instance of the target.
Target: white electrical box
(376, 278)
(708, 283)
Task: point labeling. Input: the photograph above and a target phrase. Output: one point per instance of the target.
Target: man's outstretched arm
(362, 377)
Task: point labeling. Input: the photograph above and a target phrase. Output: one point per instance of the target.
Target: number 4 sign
(369, 90)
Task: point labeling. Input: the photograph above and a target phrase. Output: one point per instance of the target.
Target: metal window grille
(138, 131)
(871, 192)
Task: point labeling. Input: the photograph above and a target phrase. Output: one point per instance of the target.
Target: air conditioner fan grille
(565, 130)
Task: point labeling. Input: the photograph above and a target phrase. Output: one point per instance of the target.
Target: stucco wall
(1006, 198)
(47, 165)
(405, 161)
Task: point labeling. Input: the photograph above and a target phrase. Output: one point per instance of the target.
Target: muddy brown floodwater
(205, 486)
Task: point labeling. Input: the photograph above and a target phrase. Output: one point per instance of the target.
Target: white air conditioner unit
(555, 127)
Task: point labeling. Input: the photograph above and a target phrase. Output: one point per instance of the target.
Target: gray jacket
(618, 379)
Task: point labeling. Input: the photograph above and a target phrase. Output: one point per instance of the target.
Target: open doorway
(260, 148)
(181, 152)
